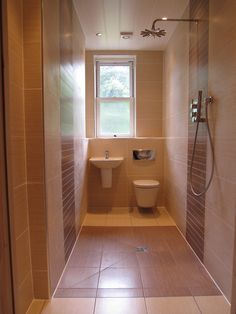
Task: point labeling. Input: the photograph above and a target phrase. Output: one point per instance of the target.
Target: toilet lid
(146, 183)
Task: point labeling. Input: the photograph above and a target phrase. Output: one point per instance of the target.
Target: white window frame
(115, 60)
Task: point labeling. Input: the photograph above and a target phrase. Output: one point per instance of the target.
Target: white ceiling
(110, 17)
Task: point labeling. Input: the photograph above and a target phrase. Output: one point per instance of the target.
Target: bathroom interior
(118, 177)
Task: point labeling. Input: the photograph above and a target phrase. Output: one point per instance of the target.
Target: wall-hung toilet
(146, 192)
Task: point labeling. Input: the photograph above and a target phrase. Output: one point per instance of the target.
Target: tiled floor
(167, 305)
(133, 263)
(122, 216)
(133, 260)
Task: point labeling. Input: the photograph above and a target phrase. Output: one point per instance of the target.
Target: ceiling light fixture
(164, 18)
(99, 34)
(126, 35)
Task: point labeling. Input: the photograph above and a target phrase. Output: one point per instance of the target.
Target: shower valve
(193, 111)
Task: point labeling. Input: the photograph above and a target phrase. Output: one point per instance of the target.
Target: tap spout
(106, 154)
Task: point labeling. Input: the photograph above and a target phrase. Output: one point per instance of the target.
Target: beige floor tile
(163, 218)
(69, 306)
(119, 217)
(172, 305)
(142, 217)
(95, 220)
(120, 306)
(213, 305)
(138, 222)
(119, 221)
(36, 307)
(119, 211)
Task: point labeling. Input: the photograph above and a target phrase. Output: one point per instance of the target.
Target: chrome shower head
(161, 32)
(154, 33)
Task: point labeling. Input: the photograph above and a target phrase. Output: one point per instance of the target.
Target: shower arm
(172, 20)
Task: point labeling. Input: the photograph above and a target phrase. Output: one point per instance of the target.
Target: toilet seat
(146, 184)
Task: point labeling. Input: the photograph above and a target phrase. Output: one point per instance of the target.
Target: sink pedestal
(106, 174)
(106, 165)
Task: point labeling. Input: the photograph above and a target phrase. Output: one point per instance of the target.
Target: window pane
(114, 81)
(114, 118)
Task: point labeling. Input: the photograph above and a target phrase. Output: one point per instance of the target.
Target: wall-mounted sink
(102, 162)
(106, 165)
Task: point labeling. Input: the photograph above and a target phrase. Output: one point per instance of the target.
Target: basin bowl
(101, 162)
(106, 166)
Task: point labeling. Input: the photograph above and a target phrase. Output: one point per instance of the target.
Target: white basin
(106, 166)
(101, 162)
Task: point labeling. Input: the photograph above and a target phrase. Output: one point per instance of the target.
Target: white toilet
(146, 192)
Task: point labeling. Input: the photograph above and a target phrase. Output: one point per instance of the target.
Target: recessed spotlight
(99, 34)
(164, 18)
(126, 35)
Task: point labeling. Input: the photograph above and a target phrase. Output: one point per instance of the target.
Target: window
(115, 96)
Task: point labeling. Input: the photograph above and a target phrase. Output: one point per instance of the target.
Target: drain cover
(141, 249)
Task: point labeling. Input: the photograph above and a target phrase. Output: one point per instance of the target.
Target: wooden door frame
(6, 279)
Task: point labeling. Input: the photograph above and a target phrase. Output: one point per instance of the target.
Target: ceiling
(110, 17)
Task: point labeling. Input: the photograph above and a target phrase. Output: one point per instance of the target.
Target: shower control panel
(196, 108)
(194, 111)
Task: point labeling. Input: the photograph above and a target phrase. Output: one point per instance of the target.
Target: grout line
(77, 238)
(203, 265)
(197, 304)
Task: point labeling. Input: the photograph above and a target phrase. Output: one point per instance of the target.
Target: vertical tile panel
(67, 124)
(198, 80)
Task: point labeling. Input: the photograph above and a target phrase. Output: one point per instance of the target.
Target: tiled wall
(52, 138)
(175, 121)
(16, 142)
(218, 210)
(122, 193)
(64, 63)
(148, 91)
(33, 90)
(221, 197)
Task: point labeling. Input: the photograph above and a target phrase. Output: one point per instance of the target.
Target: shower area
(75, 239)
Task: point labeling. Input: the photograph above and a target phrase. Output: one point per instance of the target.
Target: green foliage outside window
(114, 81)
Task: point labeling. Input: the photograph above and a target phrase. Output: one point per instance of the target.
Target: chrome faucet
(106, 154)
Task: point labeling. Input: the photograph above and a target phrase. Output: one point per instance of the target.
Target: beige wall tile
(40, 279)
(18, 160)
(53, 156)
(220, 200)
(16, 123)
(175, 123)
(32, 65)
(148, 127)
(218, 271)
(15, 55)
(149, 91)
(38, 228)
(148, 109)
(35, 159)
(32, 24)
(33, 113)
(20, 210)
(24, 295)
(219, 237)
(22, 257)
(149, 71)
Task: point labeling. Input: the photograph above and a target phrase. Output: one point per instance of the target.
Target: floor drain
(141, 249)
